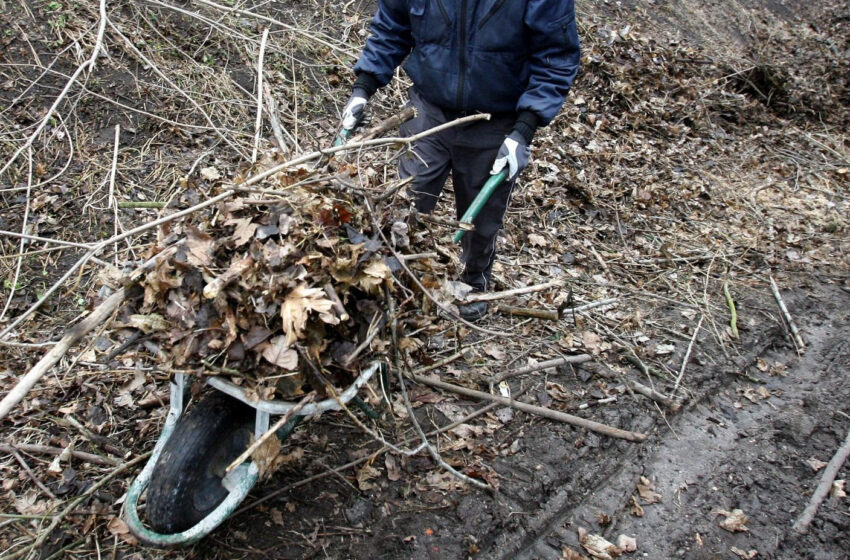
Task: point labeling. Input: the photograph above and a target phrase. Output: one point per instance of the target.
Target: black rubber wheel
(186, 484)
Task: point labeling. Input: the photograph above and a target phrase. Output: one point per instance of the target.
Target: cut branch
(826, 480)
(538, 410)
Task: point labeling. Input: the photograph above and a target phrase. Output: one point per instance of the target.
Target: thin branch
(538, 410)
(687, 356)
(825, 484)
(493, 296)
(258, 124)
(87, 65)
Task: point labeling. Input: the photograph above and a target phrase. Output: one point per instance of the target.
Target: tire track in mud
(724, 452)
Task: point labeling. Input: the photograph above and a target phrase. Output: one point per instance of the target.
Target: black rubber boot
(472, 312)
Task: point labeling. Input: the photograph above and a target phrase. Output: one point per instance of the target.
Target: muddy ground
(721, 158)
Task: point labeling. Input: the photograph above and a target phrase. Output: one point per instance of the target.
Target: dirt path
(726, 452)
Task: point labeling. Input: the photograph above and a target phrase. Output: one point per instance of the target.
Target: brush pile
(280, 292)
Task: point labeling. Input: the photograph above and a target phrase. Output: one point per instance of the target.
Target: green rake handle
(486, 191)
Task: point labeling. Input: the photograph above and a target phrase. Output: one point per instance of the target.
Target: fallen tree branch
(827, 478)
(274, 120)
(47, 450)
(577, 359)
(537, 410)
(798, 340)
(492, 296)
(654, 395)
(258, 123)
(387, 124)
(733, 312)
(687, 357)
(78, 331)
(545, 314)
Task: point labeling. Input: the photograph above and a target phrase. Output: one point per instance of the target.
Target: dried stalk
(258, 124)
(534, 313)
(555, 362)
(24, 225)
(310, 397)
(57, 519)
(798, 340)
(26, 383)
(733, 312)
(687, 356)
(87, 65)
(822, 490)
(493, 296)
(274, 120)
(538, 410)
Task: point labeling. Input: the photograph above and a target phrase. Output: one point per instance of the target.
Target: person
(514, 59)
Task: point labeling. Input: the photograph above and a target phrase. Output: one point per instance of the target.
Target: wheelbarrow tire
(186, 484)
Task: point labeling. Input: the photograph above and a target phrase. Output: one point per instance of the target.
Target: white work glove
(514, 153)
(354, 110)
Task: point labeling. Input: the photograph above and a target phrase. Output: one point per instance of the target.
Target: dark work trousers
(468, 152)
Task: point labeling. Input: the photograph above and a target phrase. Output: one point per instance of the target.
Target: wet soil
(756, 413)
(721, 452)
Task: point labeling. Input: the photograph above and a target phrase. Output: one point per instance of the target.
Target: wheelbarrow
(189, 493)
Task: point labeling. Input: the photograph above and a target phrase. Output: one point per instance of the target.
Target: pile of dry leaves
(279, 291)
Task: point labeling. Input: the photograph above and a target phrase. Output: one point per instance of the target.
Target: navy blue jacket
(495, 56)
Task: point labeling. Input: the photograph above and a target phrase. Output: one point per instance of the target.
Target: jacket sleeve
(390, 42)
(555, 57)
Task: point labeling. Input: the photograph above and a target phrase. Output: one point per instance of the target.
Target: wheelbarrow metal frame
(240, 480)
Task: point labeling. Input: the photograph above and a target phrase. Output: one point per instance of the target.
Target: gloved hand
(354, 110)
(514, 153)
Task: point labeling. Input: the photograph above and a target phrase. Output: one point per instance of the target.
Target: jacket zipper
(463, 38)
(489, 14)
(443, 12)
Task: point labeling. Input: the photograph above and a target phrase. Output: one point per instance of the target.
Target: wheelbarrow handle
(342, 137)
(483, 196)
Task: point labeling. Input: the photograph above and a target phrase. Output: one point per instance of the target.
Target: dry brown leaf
(199, 247)
(296, 309)
(495, 351)
(537, 240)
(568, 553)
(244, 230)
(373, 276)
(210, 173)
(636, 509)
(592, 342)
(30, 504)
(152, 322)
(393, 471)
(365, 475)
(735, 522)
(816, 464)
(441, 480)
(117, 526)
(647, 491)
(597, 546)
(558, 392)
(748, 555)
(280, 354)
(265, 456)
